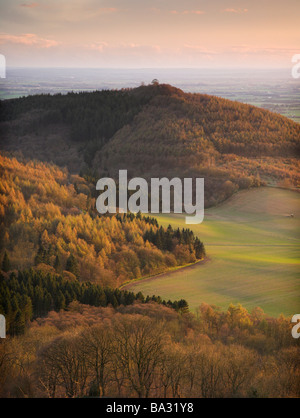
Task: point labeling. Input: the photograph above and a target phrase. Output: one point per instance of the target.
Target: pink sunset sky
(145, 34)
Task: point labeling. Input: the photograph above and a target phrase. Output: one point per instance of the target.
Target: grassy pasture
(252, 246)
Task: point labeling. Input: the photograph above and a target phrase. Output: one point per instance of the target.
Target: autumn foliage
(156, 130)
(48, 219)
(150, 350)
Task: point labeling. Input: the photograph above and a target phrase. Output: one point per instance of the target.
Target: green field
(252, 246)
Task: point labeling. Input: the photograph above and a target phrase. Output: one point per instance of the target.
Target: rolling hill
(155, 130)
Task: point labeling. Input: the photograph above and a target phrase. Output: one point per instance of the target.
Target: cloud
(122, 47)
(193, 12)
(198, 50)
(28, 39)
(154, 10)
(107, 10)
(238, 11)
(69, 11)
(77, 13)
(187, 12)
(30, 5)
(97, 46)
(248, 49)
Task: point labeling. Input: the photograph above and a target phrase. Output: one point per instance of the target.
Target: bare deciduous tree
(64, 363)
(98, 346)
(139, 343)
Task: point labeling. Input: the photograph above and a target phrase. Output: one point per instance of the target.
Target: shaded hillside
(65, 129)
(232, 145)
(48, 219)
(156, 130)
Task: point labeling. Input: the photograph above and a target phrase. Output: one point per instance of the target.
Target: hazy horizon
(228, 69)
(274, 89)
(149, 34)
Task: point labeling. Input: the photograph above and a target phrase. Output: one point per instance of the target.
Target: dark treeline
(167, 239)
(93, 118)
(31, 294)
(131, 216)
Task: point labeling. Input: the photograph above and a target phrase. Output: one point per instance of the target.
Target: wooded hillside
(156, 130)
(48, 220)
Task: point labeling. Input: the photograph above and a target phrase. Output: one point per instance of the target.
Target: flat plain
(252, 242)
(275, 90)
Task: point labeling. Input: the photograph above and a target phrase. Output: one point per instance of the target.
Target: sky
(150, 34)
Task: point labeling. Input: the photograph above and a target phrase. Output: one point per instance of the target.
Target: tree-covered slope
(48, 219)
(156, 130)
